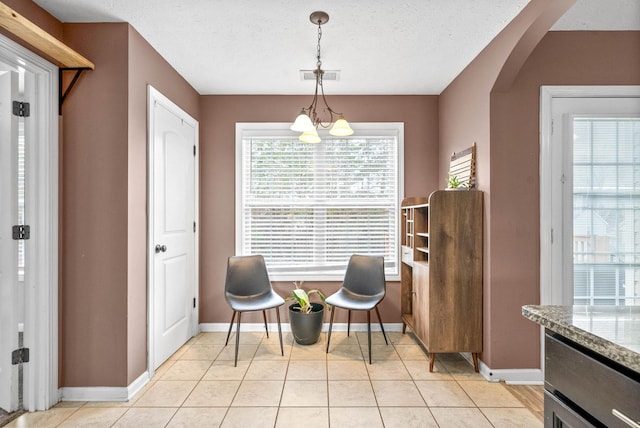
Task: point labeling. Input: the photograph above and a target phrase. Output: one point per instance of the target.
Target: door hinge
(21, 232)
(194, 303)
(21, 109)
(19, 356)
(194, 149)
(194, 227)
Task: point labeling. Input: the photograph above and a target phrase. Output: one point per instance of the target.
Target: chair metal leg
(348, 322)
(369, 333)
(264, 315)
(279, 330)
(235, 364)
(333, 311)
(381, 326)
(230, 326)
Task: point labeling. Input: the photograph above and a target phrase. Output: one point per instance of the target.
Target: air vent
(328, 75)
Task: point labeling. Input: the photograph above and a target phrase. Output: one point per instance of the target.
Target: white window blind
(308, 207)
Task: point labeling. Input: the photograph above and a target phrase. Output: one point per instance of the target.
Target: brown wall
(217, 175)
(104, 219)
(561, 58)
(146, 67)
(466, 117)
(94, 212)
(494, 102)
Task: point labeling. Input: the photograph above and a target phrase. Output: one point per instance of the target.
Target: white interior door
(173, 244)
(9, 288)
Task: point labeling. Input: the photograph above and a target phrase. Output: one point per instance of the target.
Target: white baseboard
(512, 376)
(224, 327)
(137, 385)
(104, 393)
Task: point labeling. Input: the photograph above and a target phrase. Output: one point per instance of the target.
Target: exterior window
(606, 213)
(308, 207)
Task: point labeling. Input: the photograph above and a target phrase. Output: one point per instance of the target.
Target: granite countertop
(611, 331)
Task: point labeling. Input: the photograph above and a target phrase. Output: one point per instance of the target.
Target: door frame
(40, 382)
(155, 96)
(549, 295)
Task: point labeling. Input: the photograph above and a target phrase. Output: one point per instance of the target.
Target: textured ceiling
(379, 46)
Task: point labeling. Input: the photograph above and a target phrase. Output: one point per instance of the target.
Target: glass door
(606, 210)
(595, 201)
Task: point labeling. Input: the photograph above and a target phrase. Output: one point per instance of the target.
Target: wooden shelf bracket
(63, 94)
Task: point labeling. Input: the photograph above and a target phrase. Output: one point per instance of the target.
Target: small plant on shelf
(454, 183)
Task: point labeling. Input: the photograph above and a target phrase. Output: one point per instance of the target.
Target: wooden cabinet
(441, 275)
(581, 384)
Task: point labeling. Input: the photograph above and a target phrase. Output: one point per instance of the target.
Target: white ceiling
(379, 46)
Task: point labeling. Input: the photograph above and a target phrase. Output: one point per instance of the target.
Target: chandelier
(308, 120)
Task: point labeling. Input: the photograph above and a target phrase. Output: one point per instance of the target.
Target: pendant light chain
(308, 121)
(319, 74)
(319, 63)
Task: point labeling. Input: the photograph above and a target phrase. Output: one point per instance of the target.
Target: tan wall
(561, 58)
(217, 171)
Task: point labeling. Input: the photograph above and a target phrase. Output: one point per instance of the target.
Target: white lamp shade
(303, 123)
(341, 128)
(310, 136)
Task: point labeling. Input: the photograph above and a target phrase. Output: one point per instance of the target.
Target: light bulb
(303, 123)
(341, 128)
(310, 136)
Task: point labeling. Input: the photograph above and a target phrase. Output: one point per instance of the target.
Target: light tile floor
(199, 387)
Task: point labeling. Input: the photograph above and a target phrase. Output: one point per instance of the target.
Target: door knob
(160, 248)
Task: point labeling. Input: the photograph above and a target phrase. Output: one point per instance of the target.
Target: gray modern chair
(363, 288)
(247, 288)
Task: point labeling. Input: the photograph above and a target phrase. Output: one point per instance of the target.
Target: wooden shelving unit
(441, 274)
(415, 229)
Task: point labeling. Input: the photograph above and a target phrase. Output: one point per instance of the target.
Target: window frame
(281, 129)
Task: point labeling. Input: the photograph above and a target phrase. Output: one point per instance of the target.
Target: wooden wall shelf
(67, 58)
(26, 30)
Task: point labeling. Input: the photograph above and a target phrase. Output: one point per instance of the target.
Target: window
(308, 207)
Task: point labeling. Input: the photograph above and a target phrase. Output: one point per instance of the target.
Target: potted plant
(455, 184)
(305, 316)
